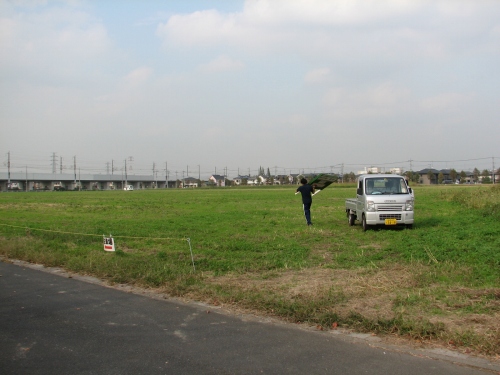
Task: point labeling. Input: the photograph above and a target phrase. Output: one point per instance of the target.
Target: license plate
(390, 222)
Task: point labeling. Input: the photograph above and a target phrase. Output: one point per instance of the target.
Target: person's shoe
(309, 224)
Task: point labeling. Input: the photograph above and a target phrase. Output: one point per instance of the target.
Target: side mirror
(410, 190)
(359, 191)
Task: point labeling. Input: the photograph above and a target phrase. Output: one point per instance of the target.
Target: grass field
(439, 282)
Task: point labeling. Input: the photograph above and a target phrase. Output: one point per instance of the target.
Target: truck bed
(350, 203)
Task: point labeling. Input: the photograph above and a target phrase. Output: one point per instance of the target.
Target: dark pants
(307, 212)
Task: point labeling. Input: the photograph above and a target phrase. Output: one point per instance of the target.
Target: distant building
(241, 180)
(368, 170)
(218, 180)
(190, 182)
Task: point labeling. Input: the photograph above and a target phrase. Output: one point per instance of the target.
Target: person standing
(307, 191)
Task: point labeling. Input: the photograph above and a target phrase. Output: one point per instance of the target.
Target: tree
(475, 174)
(486, 176)
(352, 177)
(453, 175)
(463, 176)
(430, 175)
(440, 177)
(412, 176)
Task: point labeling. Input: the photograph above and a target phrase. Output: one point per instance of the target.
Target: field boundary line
(103, 235)
(94, 235)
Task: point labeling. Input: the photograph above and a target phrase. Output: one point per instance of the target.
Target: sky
(207, 86)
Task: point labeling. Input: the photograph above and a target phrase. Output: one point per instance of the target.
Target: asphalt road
(53, 324)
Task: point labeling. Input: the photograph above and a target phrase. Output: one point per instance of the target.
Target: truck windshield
(385, 185)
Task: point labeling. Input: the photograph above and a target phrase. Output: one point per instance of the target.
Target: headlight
(409, 205)
(370, 206)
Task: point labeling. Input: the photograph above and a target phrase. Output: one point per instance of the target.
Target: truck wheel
(409, 226)
(363, 222)
(351, 219)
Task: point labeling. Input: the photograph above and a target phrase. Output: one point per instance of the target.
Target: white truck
(381, 199)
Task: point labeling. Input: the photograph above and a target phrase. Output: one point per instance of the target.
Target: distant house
(281, 179)
(190, 182)
(293, 178)
(218, 180)
(241, 180)
(429, 176)
(256, 180)
(446, 177)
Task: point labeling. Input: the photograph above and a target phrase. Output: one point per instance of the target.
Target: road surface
(53, 323)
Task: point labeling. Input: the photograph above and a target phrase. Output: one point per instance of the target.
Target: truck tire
(409, 226)
(363, 222)
(351, 219)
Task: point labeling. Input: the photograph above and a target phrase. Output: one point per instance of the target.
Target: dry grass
(384, 294)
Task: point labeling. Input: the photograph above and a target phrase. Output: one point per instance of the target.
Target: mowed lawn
(252, 250)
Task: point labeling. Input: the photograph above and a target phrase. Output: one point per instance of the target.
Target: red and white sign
(109, 244)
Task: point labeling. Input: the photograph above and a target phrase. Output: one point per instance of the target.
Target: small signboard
(109, 243)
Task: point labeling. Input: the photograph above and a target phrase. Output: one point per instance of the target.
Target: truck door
(360, 202)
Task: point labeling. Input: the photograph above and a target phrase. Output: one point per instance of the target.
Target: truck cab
(381, 199)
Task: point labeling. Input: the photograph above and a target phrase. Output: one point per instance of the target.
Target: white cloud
(138, 76)
(326, 12)
(317, 75)
(376, 103)
(446, 101)
(202, 27)
(222, 64)
(400, 30)
(57, 41)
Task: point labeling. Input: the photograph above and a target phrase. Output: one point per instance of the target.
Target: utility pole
(8, 169)
(60, 165)
(112, 166)
(493, 170)
(26, 179)
(154, 173)
(166, 175)
(125, 172)
(54, 163)
(199, 175)
(74, 167)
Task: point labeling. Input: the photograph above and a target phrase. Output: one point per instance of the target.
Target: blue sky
(287, 84)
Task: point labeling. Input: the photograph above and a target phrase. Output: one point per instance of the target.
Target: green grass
(252, 249)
